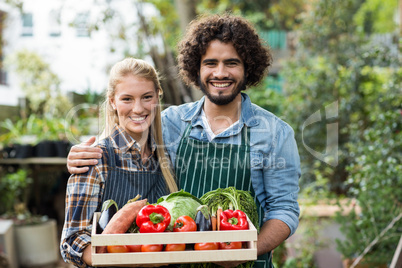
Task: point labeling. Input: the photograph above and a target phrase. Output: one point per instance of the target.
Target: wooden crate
(134, 259)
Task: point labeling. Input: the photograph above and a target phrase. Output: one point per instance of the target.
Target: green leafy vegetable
(180, 203)
(231, 198)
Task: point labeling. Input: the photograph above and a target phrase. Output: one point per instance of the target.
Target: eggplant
(109, 208)
(203, 219)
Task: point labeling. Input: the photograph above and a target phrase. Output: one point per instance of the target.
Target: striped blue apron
(122, 185)
(204, 166)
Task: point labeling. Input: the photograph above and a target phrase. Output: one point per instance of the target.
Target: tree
(338, 61)
(40, 85)
(155, 35)
(374, 17)
(315, 78)
(187, 11)
(175, 90)
(266, 15)
(374, 169)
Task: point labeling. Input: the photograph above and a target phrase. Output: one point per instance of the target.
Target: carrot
(122, 220)
(218, 218)
(213, 222)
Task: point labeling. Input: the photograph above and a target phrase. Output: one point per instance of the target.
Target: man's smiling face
(221, 73)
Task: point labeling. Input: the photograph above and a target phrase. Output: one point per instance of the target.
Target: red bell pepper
(153, 219)
(233, 220)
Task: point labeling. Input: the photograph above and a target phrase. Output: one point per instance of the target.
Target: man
(223, 139)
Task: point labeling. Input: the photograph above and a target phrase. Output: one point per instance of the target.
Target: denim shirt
(274, 158)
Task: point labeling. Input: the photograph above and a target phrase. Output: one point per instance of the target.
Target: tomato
(117, 249)
(134, 248)
(175, 247)
(206, 246)
(184, 224)
(151, 248)
(230, 245)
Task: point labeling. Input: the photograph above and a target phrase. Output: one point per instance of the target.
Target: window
(54, 23)
(82, 24)
(27, 24)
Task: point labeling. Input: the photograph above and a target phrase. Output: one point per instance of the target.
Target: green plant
(39, 83)
(31, 130)
(52, 128)
(327, 68)
(17, 131)
(373, 231)
(268, 95)
(303, 247)
(14, 191)
(14, 197)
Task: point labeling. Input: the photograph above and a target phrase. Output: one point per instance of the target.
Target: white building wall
(80, 62)
(9, 94)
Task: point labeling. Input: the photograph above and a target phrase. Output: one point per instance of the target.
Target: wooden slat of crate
(164, 257)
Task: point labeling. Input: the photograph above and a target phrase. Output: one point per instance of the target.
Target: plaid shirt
(85, 191)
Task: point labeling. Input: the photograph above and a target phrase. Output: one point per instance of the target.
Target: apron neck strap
(110, 151)
(245, 135)
(187, 131)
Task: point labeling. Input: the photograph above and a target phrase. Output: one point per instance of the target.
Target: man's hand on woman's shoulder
(83, 155)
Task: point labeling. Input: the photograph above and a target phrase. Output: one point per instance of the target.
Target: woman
(131, 162)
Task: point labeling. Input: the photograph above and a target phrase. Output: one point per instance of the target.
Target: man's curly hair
(226, 28)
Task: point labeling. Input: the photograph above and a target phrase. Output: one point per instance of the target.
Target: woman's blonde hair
(139, 68)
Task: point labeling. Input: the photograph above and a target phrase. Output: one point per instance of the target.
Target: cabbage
(179, 203)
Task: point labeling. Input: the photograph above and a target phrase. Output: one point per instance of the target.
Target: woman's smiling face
(135, 100)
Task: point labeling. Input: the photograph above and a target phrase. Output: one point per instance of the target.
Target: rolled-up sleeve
(281, 171)
(82, 200)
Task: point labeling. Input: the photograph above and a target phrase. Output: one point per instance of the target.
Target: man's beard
(222, 99)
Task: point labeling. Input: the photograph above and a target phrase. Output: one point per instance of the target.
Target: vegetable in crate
(184, 224)
(203, 219)
(230, 245)
(179, 203)
(123, 219)
(117, 249)
(231, 198)
(134, 248)
(206, 246)
(233, 220)
(153, 219)
(175, 247)
(152, 248)
(109, 208)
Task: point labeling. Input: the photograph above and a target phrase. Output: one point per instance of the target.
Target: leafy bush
(13, 190)
(268, 95)
(39, 83)
(37, 129)
(311, 85)
(375, 169)
(304, 247)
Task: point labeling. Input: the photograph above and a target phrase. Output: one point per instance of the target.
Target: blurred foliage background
(343, 54)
